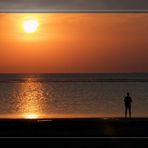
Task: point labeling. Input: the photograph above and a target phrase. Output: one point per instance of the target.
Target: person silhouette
(127, 101)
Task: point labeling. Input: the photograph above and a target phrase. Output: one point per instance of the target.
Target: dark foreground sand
(74, 133)
(78, 127)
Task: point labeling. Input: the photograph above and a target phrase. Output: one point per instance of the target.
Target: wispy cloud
(73, 5)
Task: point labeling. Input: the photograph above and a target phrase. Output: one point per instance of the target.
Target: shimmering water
(71, 95)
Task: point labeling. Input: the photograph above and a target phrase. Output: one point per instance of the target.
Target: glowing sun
(30, 25)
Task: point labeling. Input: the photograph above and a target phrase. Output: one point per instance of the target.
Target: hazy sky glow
(71, 5)
(74, 42)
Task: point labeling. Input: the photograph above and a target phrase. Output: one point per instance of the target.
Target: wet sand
(76, 127)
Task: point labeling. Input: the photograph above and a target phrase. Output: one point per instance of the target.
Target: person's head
(128, 93)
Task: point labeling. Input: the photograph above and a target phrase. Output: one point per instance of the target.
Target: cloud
(72, 5)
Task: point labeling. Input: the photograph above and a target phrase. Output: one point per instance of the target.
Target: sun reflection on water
(31, 116)
(31, 100)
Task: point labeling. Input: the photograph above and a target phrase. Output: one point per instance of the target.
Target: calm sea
(71, 95)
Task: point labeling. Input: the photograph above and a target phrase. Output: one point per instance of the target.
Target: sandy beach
(77, 127)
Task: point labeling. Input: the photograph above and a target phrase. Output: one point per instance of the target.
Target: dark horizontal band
(74, 6)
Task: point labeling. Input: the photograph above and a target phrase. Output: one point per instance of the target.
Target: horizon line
(78, 11)
(73, 73)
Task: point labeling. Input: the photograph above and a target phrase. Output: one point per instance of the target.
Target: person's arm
(124, 99)
(131, 100)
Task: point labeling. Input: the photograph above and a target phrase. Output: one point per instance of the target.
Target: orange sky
(74, 42)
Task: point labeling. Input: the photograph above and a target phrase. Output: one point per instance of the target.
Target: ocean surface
(71, 95)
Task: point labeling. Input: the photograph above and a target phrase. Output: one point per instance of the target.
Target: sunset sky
(74, 43)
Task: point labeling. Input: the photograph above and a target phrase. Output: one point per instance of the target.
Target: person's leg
(125, 111)
(130, 111)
